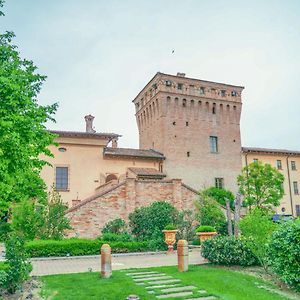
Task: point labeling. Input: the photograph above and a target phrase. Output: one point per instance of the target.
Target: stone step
(147, 275)
(179, 289)
(152, 278)
(163, 281)
(174, 295)
(141, 273)
(161, 286)
(203, 298)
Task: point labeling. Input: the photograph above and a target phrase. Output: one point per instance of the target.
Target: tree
(23, 134)
(257, 228)
(209, 211)
(220, 195)
(261, 185)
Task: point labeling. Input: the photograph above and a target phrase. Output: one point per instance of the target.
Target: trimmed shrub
(205, 228)
(115, 237)
(74, 247)
(284, 252)
(170, 227)
(228, 251)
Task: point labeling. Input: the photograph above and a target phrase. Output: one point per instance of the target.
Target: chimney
(114, 143)
(89, 124)
(180, 74)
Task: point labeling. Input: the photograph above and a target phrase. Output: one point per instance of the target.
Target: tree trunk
(237, 215)
(228, 214)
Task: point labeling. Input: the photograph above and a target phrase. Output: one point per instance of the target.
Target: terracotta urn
(206, 235)
(170, 239)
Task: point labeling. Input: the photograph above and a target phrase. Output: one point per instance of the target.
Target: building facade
(288, 163)
(196, 125)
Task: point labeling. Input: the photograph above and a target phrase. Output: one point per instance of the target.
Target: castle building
(189, 139)
(196, 125)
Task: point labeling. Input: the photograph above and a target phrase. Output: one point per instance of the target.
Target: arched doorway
(111, 177)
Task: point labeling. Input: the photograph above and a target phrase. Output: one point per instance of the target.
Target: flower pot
(170, 239)
(205, 235)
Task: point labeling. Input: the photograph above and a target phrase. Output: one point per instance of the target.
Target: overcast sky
(99, 54)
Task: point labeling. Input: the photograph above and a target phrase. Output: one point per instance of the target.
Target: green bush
(17, 267)
(228, 251)
(115, 226)
(116, 237)
(220, 195)
(5, 229)
(257, 228)
(74, 247)
(147, 222)
(284, 252)
(205, 228)
(170, 227)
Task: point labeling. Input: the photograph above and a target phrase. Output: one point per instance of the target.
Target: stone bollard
(183, 255)
(105, 261)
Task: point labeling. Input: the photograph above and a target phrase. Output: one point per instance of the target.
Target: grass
(223, 283)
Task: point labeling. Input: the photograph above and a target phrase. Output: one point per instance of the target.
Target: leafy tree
(55, 221)
(186, 225)
(257, 228)
(209, 211)
(220, 195)
(23, 134)
(261, 185)
(31, 219)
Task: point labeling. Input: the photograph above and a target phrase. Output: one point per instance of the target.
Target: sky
(98, 55)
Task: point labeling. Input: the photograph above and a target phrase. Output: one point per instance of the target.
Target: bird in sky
(173, 51)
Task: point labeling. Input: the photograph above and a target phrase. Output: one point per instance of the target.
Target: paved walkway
(48, 266)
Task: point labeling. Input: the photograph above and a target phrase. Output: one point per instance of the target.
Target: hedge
(284, 253)
(228, 251)
(74, 247)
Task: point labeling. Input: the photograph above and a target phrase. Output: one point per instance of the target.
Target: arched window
(111, 177)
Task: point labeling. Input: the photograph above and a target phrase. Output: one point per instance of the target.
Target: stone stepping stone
(202, 291)
(203, 298)
(161, 286)
(152, 278)
(147, 275)
(179, 289)
(141, 273)
(174, 295)
(163, 281)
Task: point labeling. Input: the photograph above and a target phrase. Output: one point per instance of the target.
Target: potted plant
(205, 232)
(170, 237)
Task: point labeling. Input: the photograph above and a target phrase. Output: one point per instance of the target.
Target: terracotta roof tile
(129, 152)
(83, 134)
(266, 150)
(147, 172)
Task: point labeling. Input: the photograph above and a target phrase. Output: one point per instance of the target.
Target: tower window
(179, 86)
(62, 178)
(174, 123)
(223, 93)
(293, 165)
(214, 110)
(279, 165)
(202, 90)
(184, 102)
(233, 93)
(168, 82)
(188, 154)
(186, 123)
(213, 140)
(219, 183)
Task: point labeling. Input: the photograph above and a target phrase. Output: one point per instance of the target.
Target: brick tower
(196, 125)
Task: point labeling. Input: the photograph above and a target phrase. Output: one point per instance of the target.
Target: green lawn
(222, 283)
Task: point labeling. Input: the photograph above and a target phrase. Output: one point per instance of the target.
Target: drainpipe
(289, 181)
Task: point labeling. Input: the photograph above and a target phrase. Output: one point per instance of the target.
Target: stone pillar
(183, 255)
(105, 261)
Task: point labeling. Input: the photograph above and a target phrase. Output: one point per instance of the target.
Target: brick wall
(89, 217)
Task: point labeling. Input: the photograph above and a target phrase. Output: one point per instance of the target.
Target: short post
(183, 255)
(105, 261)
